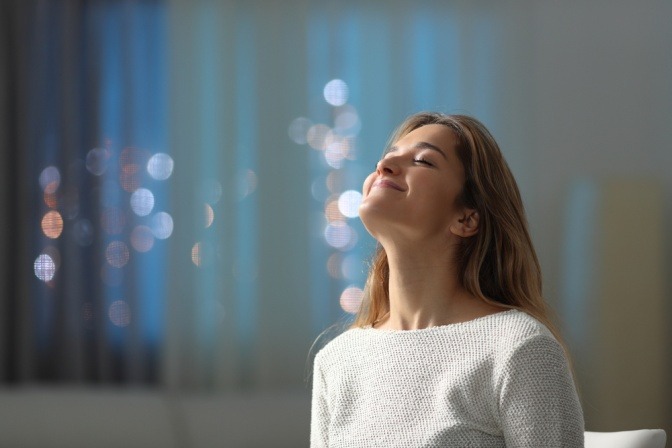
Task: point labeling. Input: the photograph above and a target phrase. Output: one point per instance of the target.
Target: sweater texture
(497, 381)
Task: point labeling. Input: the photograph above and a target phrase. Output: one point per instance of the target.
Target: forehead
(436, 134)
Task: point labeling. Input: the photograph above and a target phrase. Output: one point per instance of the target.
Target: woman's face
(412, 192)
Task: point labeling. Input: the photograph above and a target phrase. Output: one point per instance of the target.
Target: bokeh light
(62, 197)
(298, 130)
(120, 313)
(142, 202)
(333, 186)
(130, 168)
(348, 203)
(196, 254)
(97, 161)
(332, 212)
(336, 92)
(142, 238)
(50, 179)
(246, 183)
(339, 235)
(131, 159)
(129, 180)
(336, 152)
(52, 224)
(82, 232)
(209, 215)
(351, 299)
(117, 254)
(45, 268)
(160, 166)
(203, 254)
(54, 253)
(335, 181)
(317, 135)
(51, 200)
(162, 225)
(113, 220)
(346, 121)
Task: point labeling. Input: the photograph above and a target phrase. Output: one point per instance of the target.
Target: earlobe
(466, 225)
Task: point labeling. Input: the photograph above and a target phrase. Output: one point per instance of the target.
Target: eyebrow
(420, 145)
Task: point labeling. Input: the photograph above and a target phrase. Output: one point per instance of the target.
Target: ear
(466, 224)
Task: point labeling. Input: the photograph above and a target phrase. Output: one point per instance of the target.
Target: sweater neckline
(478, 320)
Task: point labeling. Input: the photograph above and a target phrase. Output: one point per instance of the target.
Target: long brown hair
(498, 264)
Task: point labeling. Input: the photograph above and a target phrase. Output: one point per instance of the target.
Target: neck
(425, 288)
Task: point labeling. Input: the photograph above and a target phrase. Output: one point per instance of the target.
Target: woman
(452, 346)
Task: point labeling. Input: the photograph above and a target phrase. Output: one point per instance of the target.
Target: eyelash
(419, 160)
(423, 161)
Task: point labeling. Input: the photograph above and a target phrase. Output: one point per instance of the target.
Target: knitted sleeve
(319, 416)
(538, 403)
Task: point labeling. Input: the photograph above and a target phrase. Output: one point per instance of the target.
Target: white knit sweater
(497, 381)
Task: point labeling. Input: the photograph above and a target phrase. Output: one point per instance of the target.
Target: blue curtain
(88, 190)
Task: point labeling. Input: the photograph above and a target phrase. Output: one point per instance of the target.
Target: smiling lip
(384, 183)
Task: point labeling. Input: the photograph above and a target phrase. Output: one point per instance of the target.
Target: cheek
(442, 200)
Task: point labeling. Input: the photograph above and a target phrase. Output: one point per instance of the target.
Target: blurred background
(180, 181)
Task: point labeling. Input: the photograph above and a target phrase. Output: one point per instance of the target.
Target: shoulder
(502, 331)
(343, 345)
(526, 346)
(513, 328)
(514, 338)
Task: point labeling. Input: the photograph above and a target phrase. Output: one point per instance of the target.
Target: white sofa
(128, 418)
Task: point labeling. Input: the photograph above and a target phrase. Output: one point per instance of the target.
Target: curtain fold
(11, 193)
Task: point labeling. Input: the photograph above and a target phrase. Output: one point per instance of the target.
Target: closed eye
(423, 162)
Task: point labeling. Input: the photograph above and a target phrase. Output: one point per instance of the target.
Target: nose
(387, 165)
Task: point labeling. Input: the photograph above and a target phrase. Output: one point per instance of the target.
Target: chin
(378, 219)
(371, 218)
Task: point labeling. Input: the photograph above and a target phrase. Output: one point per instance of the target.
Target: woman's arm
(319, 418)
(538, 402)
